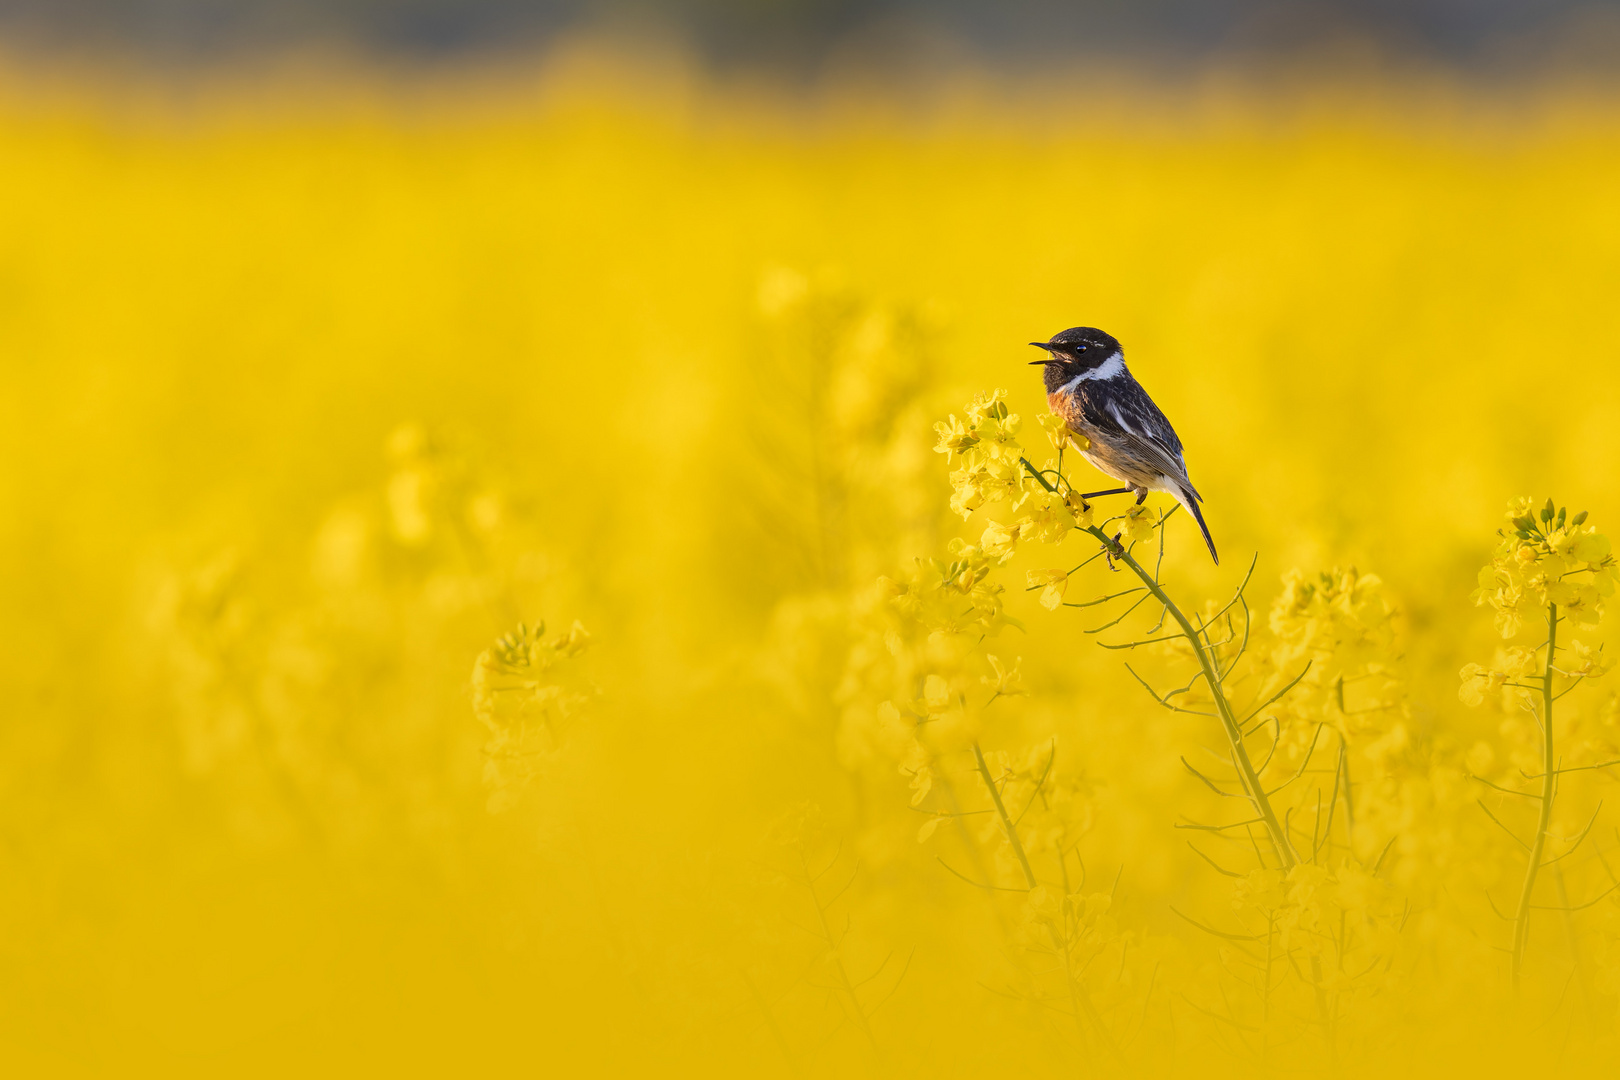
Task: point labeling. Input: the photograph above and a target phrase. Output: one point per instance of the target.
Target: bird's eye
(1082, 348)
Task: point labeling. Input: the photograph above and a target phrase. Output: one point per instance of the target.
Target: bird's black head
(1075, 351)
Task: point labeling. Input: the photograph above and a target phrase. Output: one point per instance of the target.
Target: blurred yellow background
(316, 389)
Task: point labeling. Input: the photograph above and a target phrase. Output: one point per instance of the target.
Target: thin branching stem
(1077, 994)
(1228, 717)
(1580, 837)
(1229, 723)
(1278, 696)
(1521, 920)
(1006, 819)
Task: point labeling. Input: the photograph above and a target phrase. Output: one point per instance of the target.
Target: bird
(1125, 434)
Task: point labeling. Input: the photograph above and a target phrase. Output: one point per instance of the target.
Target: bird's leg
(1110, 491)
(1141, 496)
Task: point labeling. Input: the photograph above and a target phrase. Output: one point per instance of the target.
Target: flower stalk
(1006, 820)
(1052, 925)
(1552, 564)
(1549, 785)
(1256, 793)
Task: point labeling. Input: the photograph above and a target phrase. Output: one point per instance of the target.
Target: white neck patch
(1108, 369)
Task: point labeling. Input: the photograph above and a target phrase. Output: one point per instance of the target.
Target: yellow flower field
(481, 593)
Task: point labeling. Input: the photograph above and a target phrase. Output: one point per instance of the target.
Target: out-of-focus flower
(1546, 558)
(1477, 681)
(1000, 541)
(1008, 682)
(1585, 661)
(520, 696)
(1548, 561)
(1052, 584)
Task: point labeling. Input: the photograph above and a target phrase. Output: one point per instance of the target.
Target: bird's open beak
(1048, 348)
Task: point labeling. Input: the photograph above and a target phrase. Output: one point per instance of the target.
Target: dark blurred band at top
(800, 35)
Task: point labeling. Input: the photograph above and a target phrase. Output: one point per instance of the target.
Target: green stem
(1077, 995)
(1521, 921)
(1006, 821)
(1240, 753)
(1344, 762)
(1280, 842)
(1234, 735)
(853, 1009)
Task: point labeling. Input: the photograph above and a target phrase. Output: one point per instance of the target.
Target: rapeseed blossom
(1545, 560)
(521, 697)
(1555, 567)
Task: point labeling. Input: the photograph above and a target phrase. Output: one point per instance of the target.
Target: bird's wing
(1122, 409)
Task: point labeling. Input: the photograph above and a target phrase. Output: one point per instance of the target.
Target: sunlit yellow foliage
(331, 421)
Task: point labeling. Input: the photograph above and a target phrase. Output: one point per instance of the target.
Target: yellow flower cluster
(989, 468)
(519, 694)
(952, 596)
(1548, 565)
(1318, 911)
(1546, 558)
(1341, 624)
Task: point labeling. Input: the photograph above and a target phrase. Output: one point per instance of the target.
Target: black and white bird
(1125, 434)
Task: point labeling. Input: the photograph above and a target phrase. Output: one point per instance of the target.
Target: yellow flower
(1139, 523)
(1000, 541)
(1512, 663)
(1583, 605)
(1052, 584)
(1476, 681)
(1049, 520)
(574, 642)
(922, 781)
(1060, 434)
(1081, 510)
(1586, 662)
(992, 406)
(1009, 682)
(520, 697)
(967, 495)
(954, 438)
(1590, 547)
(1002, 480)
(998, 438)
(1043, 904)
(1516, 662)
(1259, 890)
(1546, 558)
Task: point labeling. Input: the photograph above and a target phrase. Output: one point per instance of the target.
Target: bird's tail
(1188, 499)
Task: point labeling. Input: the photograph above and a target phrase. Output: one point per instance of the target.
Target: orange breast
(1097, 448)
